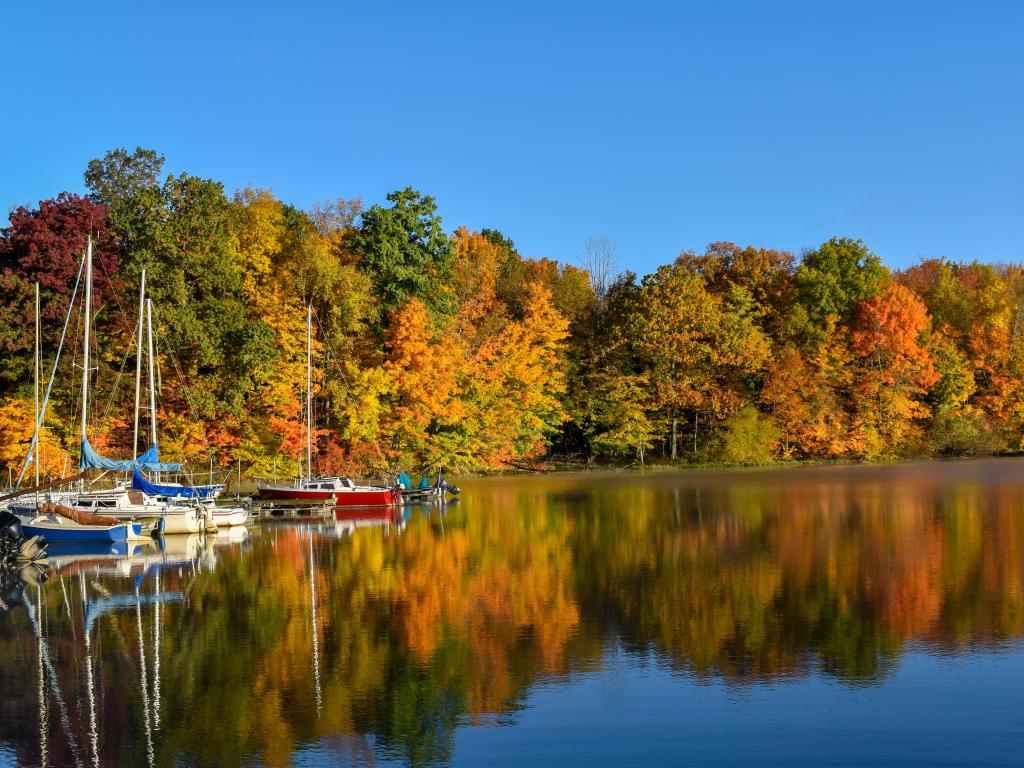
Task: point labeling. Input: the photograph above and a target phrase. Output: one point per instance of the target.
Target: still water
(814, 616)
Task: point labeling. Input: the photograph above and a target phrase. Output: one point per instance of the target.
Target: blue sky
(661, 126)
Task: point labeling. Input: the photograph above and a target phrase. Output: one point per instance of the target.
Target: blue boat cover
(139, 483)
(149, 461)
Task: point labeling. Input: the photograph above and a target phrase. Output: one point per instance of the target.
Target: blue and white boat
(203, 495)
(175, 490)
(57, 529)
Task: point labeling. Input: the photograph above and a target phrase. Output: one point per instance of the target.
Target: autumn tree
(514, 381)
(832, 280)
(748, 438)
(896, 369)
(406, 252)
(805, 408)
(16, 428)
(766, 275)
(699, 346)
(424, 393)
(274, 420)
(624, 417)
(46, 245)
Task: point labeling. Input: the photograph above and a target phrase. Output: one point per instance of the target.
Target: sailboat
(120, 503)
(56, 523)
(117, 503)
(171, 493)
(340, 490)
(158, 489)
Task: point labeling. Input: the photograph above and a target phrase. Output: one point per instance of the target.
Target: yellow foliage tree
(16, 430)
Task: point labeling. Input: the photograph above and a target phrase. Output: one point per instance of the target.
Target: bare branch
(598, 258)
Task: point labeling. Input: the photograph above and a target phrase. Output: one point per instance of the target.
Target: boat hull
(384, 497)
(230, 517)
(71, 534)
(181, 523)
(281, 493)
(173, 522)
(342, 497)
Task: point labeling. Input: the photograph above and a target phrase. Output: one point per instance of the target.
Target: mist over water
(814, 616)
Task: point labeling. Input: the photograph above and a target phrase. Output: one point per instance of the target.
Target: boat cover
(139, 483)
(80, 516)
(149, 461)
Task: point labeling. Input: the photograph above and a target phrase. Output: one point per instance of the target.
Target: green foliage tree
(748, 438)
(834, 278)
(406, 253)
(622, 420)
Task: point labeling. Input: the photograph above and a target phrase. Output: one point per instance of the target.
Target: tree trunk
(674, 423)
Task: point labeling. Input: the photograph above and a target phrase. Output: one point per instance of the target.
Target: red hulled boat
(344, 492)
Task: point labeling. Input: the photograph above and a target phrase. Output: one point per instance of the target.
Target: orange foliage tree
(896, 369)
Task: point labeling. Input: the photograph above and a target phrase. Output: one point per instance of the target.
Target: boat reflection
(127, 559)
(347, 520)
(383, 635)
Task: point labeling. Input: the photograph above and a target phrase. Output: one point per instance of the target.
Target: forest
(439, 348)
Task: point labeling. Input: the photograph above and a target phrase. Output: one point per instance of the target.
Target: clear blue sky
(662, 126)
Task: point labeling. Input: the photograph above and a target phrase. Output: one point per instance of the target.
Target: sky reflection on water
(809, 616)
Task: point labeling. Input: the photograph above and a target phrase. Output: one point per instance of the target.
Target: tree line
(435, 348)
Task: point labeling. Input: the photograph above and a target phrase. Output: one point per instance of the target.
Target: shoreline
(564, 467)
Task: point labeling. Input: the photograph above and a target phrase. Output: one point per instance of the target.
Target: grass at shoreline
(558, 467)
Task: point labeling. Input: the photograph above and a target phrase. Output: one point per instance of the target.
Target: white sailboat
(121, 503)
(115, 503)
(172, 494)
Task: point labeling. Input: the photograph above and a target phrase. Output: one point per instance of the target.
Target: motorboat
(342, 491)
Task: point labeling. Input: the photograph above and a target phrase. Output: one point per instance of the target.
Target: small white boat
(229, 517)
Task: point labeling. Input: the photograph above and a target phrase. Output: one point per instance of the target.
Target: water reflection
(374, 636)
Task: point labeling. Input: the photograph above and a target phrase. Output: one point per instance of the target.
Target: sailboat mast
(152, 378)
(85, 354)
(309, 392)
(138, 362)
(36, 387)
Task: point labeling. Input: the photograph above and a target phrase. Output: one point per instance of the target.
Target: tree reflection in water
(364, 640)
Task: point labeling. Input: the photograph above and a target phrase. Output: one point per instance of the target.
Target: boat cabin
(330, 484)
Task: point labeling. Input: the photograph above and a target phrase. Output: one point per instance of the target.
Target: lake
(809, 616)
